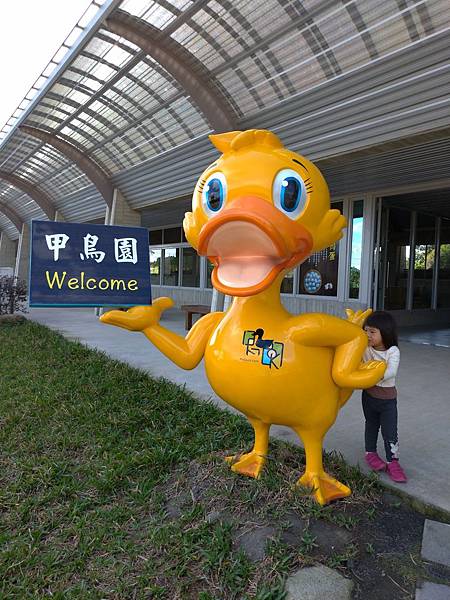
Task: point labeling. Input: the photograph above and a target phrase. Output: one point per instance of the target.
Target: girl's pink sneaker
(375, 462)
(395, 472)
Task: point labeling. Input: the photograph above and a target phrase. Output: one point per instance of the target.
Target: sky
(356, 242)
(31, 31)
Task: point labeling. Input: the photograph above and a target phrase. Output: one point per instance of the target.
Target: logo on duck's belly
(269, 351)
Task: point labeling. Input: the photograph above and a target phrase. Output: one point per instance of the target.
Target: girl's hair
(386, 324)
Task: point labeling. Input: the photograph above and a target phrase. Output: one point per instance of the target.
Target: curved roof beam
(215, 107)
(40, 197)
(12, 216)
(83, 162)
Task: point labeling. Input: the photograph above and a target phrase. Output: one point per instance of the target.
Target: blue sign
(74, 264)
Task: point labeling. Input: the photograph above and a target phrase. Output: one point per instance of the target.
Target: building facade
(115, 131)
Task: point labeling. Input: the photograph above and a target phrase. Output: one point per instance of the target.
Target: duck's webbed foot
(250, 464)
(323, 487)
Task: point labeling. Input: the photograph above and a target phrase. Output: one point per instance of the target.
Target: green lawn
(113, 485)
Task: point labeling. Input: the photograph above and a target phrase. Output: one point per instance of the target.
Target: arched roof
(12, 216)
(148, 80)
(40, 197)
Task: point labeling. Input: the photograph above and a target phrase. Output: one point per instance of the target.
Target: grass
(84, 441)
(113, 485)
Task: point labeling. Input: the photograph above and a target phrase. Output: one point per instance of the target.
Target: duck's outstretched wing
(185, 352)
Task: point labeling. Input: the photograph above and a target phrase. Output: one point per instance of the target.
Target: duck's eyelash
(308, 185)
(201, 185)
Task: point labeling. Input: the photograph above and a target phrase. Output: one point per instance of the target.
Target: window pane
(155, 266)
(319, 273)
(424, 261)
(191, 268)
(171, 258)
(287, 285)
(443, 296)
(172, 235)
(155, 237)
(356, 249)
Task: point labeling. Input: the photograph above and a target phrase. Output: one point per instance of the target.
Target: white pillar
(58, 216)
(120, 212)
(23, 254)
(107, 216)
(7, 252)
(217, 301)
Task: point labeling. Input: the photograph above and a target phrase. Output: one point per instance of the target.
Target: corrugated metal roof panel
(405, 94)
(84, 205)
(330, 77)
(340, 38)
(418, 164)
(169, 176)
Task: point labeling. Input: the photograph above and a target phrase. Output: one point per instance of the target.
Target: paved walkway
(435, 549)
(429, 336)
(423, 383)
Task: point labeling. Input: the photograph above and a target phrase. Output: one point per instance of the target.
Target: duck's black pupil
(214, 198)
(291, 192)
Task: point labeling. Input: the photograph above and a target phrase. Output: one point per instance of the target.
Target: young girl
(380, 401)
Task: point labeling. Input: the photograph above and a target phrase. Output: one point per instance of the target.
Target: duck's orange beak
(250, 243)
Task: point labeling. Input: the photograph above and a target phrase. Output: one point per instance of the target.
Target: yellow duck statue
(257, 212)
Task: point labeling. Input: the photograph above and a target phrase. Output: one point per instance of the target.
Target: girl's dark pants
(381, 413)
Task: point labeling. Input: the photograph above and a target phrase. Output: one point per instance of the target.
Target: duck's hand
(330, 229)
(370, 372)
(138, 318)
(379, 365)
(359, 317)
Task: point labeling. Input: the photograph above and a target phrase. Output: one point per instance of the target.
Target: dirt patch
(12, 319)
(371, 537)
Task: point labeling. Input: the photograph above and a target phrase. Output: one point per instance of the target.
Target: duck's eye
(214, 193)
(289, 193)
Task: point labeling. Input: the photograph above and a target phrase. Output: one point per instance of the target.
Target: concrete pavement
(423, 383)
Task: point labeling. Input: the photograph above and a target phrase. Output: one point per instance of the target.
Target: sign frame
(91, 269)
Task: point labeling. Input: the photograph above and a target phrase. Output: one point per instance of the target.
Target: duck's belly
(282, 383)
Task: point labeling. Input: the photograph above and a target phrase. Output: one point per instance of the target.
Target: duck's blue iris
(290, 194)
(215, 195)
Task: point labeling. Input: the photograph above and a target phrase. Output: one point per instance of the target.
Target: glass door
(424, 256)
(394, 258)
(443, 290)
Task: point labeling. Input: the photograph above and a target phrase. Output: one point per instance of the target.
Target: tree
(445, 256)
(354, 282)
(13, 295)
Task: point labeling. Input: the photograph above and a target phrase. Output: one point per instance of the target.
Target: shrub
(13, 295)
